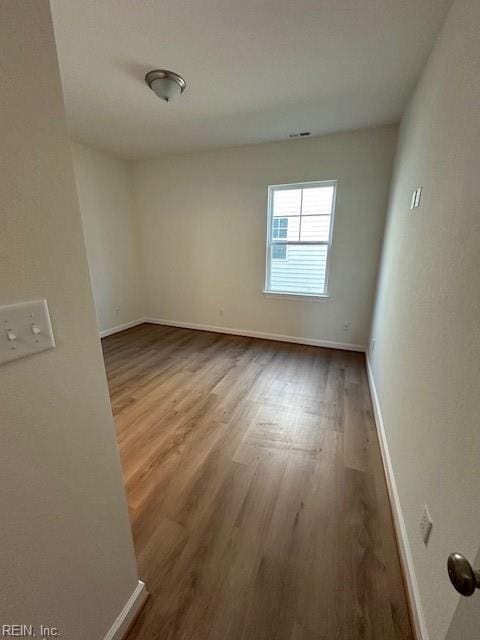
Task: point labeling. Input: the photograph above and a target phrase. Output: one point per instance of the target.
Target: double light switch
(25, 328)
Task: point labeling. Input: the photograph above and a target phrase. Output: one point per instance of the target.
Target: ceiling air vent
(302, 134)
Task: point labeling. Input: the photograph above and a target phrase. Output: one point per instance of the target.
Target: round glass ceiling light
(165, 84)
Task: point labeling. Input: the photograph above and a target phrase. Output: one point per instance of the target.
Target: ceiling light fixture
(165, 84)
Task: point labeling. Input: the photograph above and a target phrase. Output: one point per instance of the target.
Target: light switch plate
(426, 525)
(418, 197)
(413, 200)
(25, 328)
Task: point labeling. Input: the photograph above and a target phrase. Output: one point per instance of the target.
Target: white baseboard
(128, 614)
(413, 593)
(120, 327)
(249, 333)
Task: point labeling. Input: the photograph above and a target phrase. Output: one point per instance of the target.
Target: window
(299, 235)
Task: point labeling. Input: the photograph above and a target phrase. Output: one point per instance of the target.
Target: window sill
(312, 297)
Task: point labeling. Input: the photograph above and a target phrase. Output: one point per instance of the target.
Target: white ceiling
(256, 70)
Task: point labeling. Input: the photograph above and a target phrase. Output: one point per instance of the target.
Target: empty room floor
(255, 488)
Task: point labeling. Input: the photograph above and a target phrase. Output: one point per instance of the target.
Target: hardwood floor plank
(255, 488)
(357, 430)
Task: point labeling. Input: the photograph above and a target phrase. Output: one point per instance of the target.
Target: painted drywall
(111, 236)
(203, 219)
(66, 555)
(426, 328)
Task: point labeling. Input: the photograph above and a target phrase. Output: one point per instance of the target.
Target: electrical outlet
(221, 312)
(117, 311)
(346, 326)
(426, 525)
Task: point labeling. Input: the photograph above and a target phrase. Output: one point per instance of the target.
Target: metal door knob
(463, 576)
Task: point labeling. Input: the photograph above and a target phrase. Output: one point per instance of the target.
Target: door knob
(463, 576)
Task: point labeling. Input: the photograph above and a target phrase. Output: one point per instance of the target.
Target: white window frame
(268, 254)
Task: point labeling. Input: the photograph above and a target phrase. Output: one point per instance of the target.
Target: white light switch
(25, 328)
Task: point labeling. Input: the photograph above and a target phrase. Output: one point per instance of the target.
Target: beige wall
(66, 556)
(111, 236)
(426, 329)
(203, 233)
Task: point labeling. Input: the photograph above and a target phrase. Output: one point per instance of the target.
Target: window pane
(317, 201)
(279, 252)
(279, 228)
(286, 202)
(315, 228)
(302, 271)
(286, 229)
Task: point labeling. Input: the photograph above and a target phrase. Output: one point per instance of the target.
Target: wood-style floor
(256, 490)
